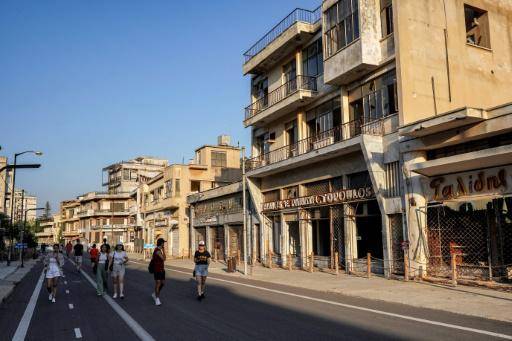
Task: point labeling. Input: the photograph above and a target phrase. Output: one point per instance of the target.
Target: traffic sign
(149, 246)
(21, 245)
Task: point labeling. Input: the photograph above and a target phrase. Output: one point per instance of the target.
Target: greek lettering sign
(338, 197)
(488, 181)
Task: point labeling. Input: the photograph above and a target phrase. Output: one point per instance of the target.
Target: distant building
(51, 230)
(27, 205)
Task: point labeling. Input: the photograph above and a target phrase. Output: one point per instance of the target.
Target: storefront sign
(345, 195)
(489, 181)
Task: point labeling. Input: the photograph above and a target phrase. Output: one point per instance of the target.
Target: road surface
(234, 309)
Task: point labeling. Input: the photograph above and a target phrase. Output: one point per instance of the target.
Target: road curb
(6, 282)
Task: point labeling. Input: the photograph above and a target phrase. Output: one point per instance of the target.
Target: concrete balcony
(283, 39)
(335, 142)
(293, 94)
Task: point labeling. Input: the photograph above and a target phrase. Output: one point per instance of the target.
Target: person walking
(106, 244)
(102, 270)
(93, 254)
(69, 247)
(158, 260)
(78, 250)
(53, 263)
(202, 259)
(117, 264)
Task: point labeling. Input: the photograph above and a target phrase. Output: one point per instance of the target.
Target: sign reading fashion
(489, 181)
(338, 197)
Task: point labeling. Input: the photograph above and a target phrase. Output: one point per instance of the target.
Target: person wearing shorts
(102, 270)
(202, 260)
(158, 260)
(117, 264)
(53, 263)
(78, 250)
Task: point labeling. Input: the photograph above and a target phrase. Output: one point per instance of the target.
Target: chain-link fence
(478, 234)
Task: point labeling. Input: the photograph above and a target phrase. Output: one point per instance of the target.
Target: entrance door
(175, 236)
(235, 241)
(217, 242)
(294, 238)
(369, 236)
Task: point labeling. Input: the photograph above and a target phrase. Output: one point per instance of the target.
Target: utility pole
(23, 223)
(244, 209)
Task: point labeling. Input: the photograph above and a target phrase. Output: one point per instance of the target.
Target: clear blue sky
(90, 83)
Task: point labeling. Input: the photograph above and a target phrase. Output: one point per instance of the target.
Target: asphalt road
(234, 309)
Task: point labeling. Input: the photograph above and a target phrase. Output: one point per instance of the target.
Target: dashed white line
(71, 306)
(350, 306)
(78, 333)
(22, 329)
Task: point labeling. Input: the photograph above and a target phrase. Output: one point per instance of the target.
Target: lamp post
(13, 190)
(23, 230)
(244, 209)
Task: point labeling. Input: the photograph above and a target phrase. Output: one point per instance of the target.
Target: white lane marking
(22, 329)
(78, 333)
(134, 325)
(71, 306)
(67, 291)
(350, 306)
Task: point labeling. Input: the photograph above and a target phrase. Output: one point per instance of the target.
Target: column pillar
(350, 236)
(208, 238)
(226, 240)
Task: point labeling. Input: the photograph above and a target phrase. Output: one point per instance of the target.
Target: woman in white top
(117, 264)
(103, 268)
(53, 263)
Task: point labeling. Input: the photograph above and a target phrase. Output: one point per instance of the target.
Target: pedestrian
(43, 248)
(102, 270)
(93, 254)
(69, 247)
(106, 244)
(158, 260)
(78, 250)
(118, 261)
(53, 263)
(202, 260)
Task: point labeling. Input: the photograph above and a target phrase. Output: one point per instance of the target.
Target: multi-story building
(70, 222)
(24, 204)
(51, 230)
(356, 107)
(3, 184)
(125, 176)
(216, 217)
(106, 215)
(164, 198)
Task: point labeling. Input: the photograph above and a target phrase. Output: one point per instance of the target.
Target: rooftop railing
(297, 15)
(337, 134)
(279, 94)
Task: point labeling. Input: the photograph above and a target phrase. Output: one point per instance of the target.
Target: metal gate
(175, 236)
(477, 233)
(397, 237)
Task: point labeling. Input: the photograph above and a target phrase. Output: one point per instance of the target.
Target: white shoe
(157, 301)
(50, 297)
(154, 297)
(121, 296)
(115, 295)
(53, 300)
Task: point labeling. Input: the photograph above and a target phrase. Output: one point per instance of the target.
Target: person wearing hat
(202, 260)
(158, 260)
(117, 264)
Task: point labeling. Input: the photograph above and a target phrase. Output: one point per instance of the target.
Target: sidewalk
(11, 275)
(465, 300)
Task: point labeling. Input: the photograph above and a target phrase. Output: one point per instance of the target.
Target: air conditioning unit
(327, 141)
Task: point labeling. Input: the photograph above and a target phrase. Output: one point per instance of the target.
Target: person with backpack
(117, 264)
(53, 263)
(156, 267)
(102, 270)
(202, 260)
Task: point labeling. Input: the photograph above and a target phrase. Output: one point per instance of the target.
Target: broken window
(312, 59)
(477, 26)
(195, 186)
(342, 25)
(219, 159)
(386, 17)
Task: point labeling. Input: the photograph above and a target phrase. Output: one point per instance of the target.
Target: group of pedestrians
(105, 262)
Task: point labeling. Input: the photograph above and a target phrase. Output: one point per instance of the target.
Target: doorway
(369, 230)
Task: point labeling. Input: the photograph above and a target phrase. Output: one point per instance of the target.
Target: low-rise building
(164, 198)
(50, 230)
(24, 206)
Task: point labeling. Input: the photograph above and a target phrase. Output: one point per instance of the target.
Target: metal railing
(282, 92)
(297, 15)
(329, 137)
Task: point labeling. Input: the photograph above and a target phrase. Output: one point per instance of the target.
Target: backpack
(151, 266)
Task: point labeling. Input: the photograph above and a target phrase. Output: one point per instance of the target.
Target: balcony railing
(297, 15)
(279, 94)
(329, 137)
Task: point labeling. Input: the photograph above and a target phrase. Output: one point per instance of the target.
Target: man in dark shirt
(78, 249)
(202, 260)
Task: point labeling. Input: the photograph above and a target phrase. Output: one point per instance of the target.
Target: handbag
(151, 266)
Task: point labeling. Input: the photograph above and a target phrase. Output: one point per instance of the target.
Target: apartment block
(164, 204)
(51, 230)
(125, 176)
(356, 108)
(70, 222)
(24, 206)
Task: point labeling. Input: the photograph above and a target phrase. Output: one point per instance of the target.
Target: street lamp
(13, 188)
(23, 230)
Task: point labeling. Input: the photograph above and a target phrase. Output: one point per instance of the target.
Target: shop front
(469, 218)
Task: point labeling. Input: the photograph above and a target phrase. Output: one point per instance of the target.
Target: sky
(91, 83)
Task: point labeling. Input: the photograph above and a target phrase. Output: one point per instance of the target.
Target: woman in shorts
(53, 263)
(202, 260)
(117, 264)
(102, 271)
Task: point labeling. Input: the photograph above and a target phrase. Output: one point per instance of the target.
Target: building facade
(24, 206)
(164, 206)
(70, 222)
(51, 230)
(349, 102)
